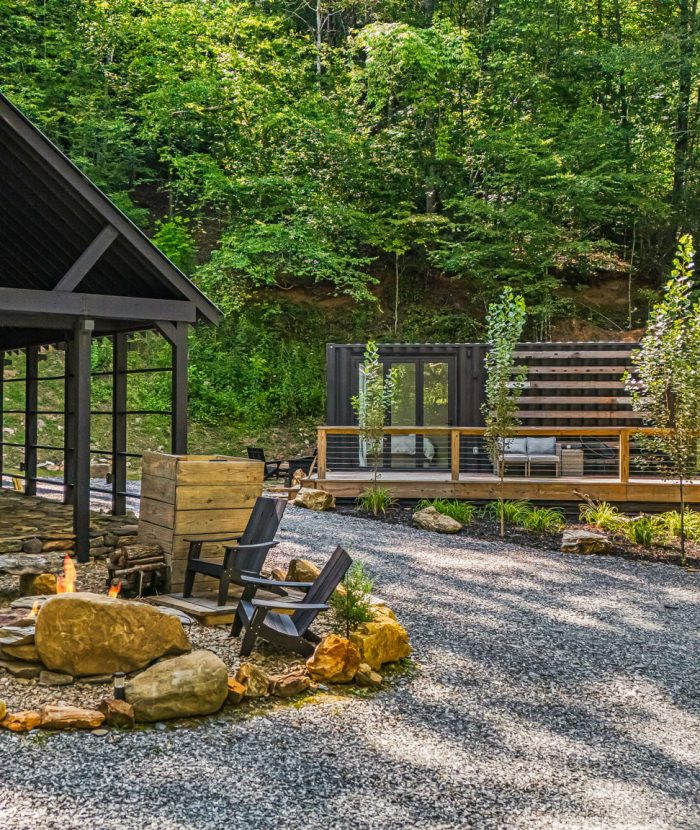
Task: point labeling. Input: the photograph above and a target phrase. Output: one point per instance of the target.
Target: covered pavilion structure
(74, 268)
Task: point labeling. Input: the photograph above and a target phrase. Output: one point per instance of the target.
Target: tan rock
(430, 519)
(254, 679)
(301, 570)
(31, 585)
(382, 641)
(366, 676)
(3, 709)
(26, 651)
(314, 499)
(278, 573)
(70, 717)
(186, 686)
(23, 721)
(52, 678)
(290, 684)
(21, 669)
(335, 660)
(57, 544)
(32, 545)
(117, 712)
(586, 542)
(87, 634)
(236, 692)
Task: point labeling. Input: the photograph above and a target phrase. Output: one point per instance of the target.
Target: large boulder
(186, 686)
(585, 541)
(430, 519)
(335, 660)
(314, 499)
(83, 634)
(384, 640)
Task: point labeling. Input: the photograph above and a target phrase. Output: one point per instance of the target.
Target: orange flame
(66, 584)
(35, 610)
(114, 590)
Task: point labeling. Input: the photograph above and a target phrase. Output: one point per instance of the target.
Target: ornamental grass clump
(352, 605)
(375, 500)
(602, 515)
(544, 520)
(510, 512)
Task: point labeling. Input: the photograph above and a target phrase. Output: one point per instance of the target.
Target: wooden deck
(622, 482)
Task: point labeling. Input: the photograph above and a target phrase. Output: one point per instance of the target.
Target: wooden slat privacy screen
(567, 384)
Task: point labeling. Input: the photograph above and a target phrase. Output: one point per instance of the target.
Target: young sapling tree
(664, 383)
(504, 380)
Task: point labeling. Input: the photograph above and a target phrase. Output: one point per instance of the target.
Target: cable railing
(457, 453)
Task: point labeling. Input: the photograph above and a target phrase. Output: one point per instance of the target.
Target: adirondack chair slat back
(256, 454)
(262, 526)
(325, 583)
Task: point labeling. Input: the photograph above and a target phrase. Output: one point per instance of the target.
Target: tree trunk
(682, 498)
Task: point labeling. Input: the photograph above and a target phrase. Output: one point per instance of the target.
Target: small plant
(372, 405)
(544, 520)
(375, 500)
(671, 523)
(461, 511)
(601, 514)
(352, 603)
(513, 512)
(644, 530)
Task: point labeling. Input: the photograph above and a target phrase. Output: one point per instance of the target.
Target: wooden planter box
(185, 495)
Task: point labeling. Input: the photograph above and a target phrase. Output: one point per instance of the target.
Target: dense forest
(335, 170)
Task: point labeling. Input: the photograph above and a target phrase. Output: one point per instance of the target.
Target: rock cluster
(384, 640)
(35, 526)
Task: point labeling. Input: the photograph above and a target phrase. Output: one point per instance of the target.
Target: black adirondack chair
(272, 468)
(246, 557)
(261, 617)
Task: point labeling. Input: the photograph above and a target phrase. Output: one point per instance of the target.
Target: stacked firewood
(141, 569)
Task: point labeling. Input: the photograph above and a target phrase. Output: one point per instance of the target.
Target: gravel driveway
(552, 692)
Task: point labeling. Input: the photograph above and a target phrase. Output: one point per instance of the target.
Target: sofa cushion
(515, 446)
(541, 446)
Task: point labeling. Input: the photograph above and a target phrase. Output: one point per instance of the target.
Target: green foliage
(461, 511)
(671, 524)
(544, 520)
(665, 382)
(352, 606)
(504, 378)
(644, 530)
(512, 512)
(601, 514)
(372, 405)
(375, 500)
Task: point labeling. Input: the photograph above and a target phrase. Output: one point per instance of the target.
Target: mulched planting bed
(487, 528)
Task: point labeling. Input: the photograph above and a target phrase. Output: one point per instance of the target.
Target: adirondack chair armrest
(272, 604)
(236, 548)
(205, 539)
(273, 583)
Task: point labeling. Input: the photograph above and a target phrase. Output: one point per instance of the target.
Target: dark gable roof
(50, 212)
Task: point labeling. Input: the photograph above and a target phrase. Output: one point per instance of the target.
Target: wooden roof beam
(74, 275)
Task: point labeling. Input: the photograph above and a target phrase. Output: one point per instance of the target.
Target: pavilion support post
(69, 393)
(119, 381)
(2, 416)
(179, 389)
(82, 341)
(31, 418)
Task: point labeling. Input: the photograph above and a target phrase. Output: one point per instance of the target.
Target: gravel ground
(551, 691)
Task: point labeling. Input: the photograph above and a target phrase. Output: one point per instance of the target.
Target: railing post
(454, 454)
(624, 456)
(321, 447)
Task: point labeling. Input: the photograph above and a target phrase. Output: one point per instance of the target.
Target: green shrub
(544, 520)
(375, 500)
(353, 606)
(461, 511)
(514, 512)
(645, 530)
(601, 514)
(671, 523)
